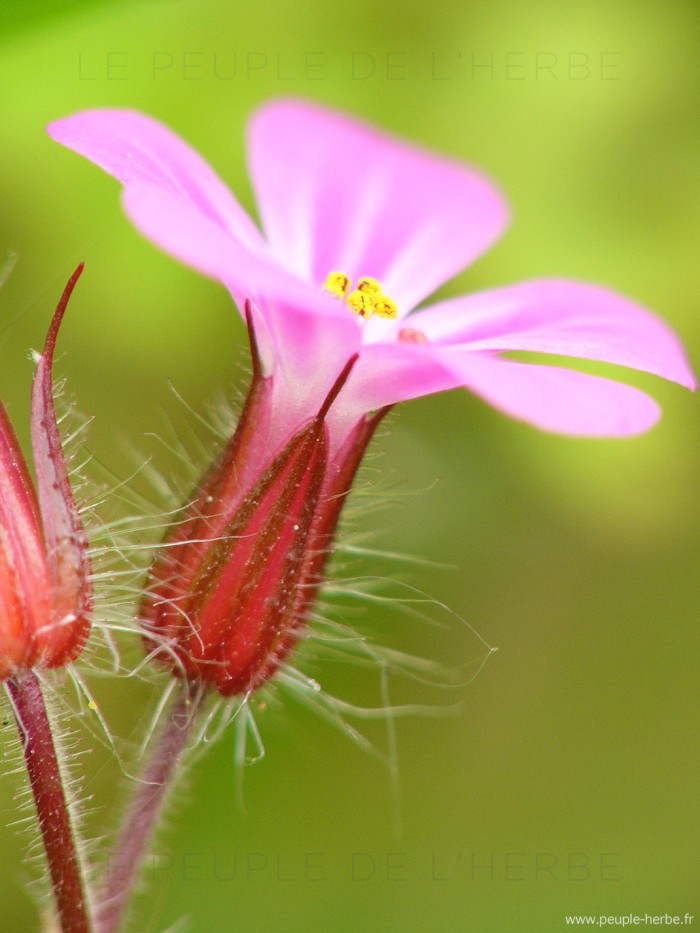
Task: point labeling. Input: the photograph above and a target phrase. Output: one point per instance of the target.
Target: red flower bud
(231, 588)
(45, 592)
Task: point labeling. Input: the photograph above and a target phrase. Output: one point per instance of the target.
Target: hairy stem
(52, 809)
(159, 773)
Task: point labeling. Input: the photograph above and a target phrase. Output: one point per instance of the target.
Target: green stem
(51, 803)
(150, 791)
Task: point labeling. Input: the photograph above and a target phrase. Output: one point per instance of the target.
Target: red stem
(50, 800)
(145, 806)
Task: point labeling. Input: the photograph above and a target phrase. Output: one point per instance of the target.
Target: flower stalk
(160, 771)
(52, 808)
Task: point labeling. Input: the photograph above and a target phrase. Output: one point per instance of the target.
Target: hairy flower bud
(230, 590)
(45, 591)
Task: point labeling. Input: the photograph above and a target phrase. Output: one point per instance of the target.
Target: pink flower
(335, 196)
(359, 229)
(45, 591)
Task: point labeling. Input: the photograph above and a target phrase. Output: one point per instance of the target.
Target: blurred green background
(568, 781)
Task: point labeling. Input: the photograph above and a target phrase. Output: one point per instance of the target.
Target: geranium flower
(358, 230)
(337, 197)
(45, 590)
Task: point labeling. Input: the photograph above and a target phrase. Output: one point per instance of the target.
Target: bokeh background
(567, 781)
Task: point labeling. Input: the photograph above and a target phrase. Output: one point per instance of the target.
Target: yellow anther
(369, 287)
(365, 299)
(337, 283)
(359, 303)
(384, 307)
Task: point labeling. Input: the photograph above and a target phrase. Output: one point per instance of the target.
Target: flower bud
(45, 591)
(231, 588)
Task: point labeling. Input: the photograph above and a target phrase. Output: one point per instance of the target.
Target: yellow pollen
(366, 299)
(384, 307)
(337, 283)
(369, 287)
(360, 303)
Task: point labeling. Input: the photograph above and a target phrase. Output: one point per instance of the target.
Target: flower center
(365, 299)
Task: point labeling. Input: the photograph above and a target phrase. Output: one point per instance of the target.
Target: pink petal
(180, 229)
(554, 399)
(563, 318)
(335, 194)
(310, 333)
(389, 373)
(559, 400)
(304, 352)
(312, 349)
(305, 336)
(137, 149)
